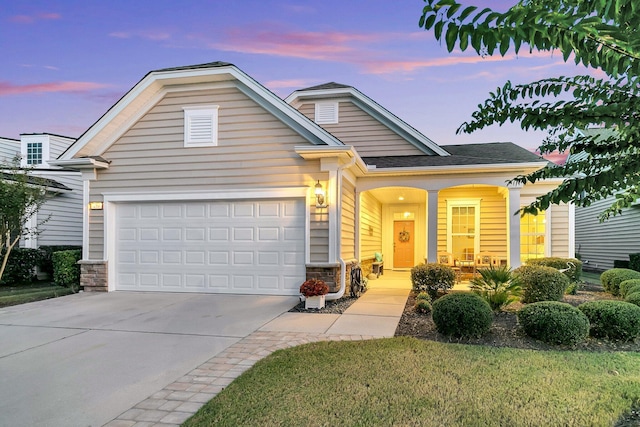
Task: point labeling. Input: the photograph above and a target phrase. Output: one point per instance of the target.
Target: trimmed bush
(634, 261)
(423, 306)
(629, 286)
(633, 298)
(620, 263)
(572, 289)
(541, 283)
(432, 278)
(462, 315)
(66, 270)
(615, 320)
(21, 266)
(46, 264)
(560, 264)
(611, 279)
(554, 322)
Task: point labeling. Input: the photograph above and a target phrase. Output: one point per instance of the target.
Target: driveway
(83, 359)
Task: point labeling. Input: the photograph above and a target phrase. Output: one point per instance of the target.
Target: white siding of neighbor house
(57, 145)
(348, 220)
(370, 226)
(493, 228)
(599, 244)
(559, 231)
(255, 150)
(64, 211)
(8, 149)
(370, 137)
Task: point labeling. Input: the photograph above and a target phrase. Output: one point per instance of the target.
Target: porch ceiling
(392, 195)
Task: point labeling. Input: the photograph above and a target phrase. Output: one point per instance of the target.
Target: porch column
(513, 226)
(432, 225)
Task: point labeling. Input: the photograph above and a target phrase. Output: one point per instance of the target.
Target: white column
(87, 176)
(513, 226)
(432, 225)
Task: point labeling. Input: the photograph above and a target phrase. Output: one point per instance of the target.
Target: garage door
(246, 247)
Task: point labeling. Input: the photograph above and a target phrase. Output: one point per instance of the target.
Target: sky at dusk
(65, 63)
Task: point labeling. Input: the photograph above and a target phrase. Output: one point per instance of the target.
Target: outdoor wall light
(320, 196)
(96, 206)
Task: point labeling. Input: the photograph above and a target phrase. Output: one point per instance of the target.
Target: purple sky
(64, 63)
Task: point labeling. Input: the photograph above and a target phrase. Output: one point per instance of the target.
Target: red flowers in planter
(313, 288)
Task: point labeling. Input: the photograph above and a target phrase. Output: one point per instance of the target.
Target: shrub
(540, 283)
(423, 295)
(431, 278)
(572, 289)
(629, 286)
(21, 266)
(634, 261)
(612, 278)
(496, 285)
(46, 263)
(633, 298)
(573, 273)
(462, 315)
(554, 322)
(616, 320)
(620, 263)
(66, 270)
(423, 306)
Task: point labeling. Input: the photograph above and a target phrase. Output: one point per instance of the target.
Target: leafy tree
(603, 35)
(21, 196)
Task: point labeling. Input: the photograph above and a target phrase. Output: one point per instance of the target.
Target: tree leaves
(600, 34)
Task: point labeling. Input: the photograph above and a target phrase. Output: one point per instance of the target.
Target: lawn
(406, 381)
(14, 295)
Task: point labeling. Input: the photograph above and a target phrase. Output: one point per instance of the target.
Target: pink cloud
(30, 19)
(7, 88)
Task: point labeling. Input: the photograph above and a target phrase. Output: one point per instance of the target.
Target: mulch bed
(505, 331)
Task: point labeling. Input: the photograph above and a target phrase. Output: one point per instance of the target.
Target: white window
(201, 126)
(463, 229)
(34, 153)
(533, 233)
(326, 113)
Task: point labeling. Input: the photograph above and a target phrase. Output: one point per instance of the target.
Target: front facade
(63, 209)
(201, 180)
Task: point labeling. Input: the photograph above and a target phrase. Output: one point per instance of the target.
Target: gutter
(343, 264)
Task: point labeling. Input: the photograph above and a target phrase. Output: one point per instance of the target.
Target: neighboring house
(600, 244)
(64, 208)
(200, 179)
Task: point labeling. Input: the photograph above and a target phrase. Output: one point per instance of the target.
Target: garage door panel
(216, 246)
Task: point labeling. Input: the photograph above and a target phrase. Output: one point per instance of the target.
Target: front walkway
(374, 315)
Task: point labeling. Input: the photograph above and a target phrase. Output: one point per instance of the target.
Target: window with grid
(463, 232)
(532, 236)
(34, 153)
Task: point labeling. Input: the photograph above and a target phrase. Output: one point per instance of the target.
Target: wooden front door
(403, 244)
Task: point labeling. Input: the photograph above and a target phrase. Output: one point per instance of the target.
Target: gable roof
(155, 84)
(377, 111)
(462, 155)
(48, 183)
(598, 133)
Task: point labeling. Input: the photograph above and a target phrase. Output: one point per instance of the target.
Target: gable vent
(200, 126)
(326, 113)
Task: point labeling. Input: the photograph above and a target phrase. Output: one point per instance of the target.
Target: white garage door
(246, 247)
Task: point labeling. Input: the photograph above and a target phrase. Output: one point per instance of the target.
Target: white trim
(572, 230)
(111, 201)
(86, 188)
(466, 203)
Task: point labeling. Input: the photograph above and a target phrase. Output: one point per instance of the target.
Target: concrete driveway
(83, 359)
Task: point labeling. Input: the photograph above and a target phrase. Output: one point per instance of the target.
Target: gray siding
(255, 150)
(57, 145)
(319, 235)
(370, 226)
(369, 136)
(599, 244)
(348, 238)
(8, 149)
(64, 211)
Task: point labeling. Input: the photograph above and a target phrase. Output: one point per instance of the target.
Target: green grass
(589, 277)
(14, 295)
(405, 381)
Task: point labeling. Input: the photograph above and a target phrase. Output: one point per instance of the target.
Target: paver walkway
(375, 315)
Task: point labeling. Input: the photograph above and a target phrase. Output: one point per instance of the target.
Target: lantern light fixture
(320, 196)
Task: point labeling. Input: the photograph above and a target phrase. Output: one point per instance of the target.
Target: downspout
(343, 263)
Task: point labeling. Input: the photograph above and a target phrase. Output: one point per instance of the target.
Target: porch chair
(485, 260)
(446, 258)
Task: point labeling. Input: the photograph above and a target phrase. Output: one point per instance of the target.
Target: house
(200, 179)
(600, 244)
(64, 208)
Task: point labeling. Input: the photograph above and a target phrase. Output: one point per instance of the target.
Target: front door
(403, 244)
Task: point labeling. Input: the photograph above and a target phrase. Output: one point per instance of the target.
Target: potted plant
(314, 292)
